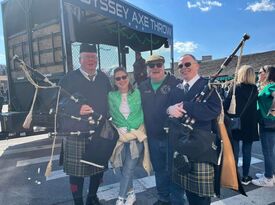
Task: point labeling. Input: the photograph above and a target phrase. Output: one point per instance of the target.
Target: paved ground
(23, 162)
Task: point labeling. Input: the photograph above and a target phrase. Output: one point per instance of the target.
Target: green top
(135, 118)
(156, 85)
(265, 100)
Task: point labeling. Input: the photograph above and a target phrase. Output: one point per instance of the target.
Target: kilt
(200, 180)
(73, 150)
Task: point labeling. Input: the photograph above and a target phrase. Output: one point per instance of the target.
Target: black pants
(194, 199)
(77, 187)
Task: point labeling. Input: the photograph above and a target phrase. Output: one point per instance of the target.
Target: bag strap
(248, 102)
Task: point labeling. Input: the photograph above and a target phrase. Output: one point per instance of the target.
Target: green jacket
(265, 101)
(135, 118)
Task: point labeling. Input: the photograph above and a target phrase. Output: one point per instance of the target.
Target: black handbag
(235, 122)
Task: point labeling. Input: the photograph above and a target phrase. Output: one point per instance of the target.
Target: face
(262, 75)
(88, 62)
(188, 67)
(122, 81)
(138, 55)
(156, 71)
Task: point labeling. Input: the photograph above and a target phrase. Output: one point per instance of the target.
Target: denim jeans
(128, 168)
(246, 151)
(161, 160)
(268, 142)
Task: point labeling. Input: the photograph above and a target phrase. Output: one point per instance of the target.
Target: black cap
(85, 47)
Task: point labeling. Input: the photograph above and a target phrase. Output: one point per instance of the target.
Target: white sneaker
(261, 175)
(120, 201)
(263, 182)
(131, 198)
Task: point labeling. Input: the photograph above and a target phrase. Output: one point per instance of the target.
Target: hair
(130, 87)
(193, 57)
(270, 73)
(263, 68)
(246, 75)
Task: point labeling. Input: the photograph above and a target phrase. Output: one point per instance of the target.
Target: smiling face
(156, 71)
(88, 62)
(122, 81)
(262, 75)
(188, 67)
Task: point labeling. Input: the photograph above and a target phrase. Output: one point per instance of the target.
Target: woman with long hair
(266, 107)
(126, 111)
(246, 108)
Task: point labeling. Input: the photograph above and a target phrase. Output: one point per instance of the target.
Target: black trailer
(46, 34)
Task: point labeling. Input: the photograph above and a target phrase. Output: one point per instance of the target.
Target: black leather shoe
(93, 201)
(161, 203)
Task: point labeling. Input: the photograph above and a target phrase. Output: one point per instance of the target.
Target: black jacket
(249, 130)
(155, 104)
(202, 112)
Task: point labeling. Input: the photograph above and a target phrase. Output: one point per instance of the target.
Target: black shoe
(93, 201)
(161, 203)
(246, 180)
(78, 201)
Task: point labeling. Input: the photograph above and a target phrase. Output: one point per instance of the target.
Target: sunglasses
(186, 65)
(152, 65)
(124, 77)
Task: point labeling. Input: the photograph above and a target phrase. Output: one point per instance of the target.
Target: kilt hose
(73, 150)
(200, 180)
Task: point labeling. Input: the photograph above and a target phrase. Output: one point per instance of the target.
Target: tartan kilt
(73, 150)
(200, 180)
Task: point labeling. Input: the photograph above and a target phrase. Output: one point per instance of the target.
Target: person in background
(155, 94)
(93, 85)
(261, 78)
(246, 108)
(266, 107)
(140, 72)
(199, 182)
(127, 115)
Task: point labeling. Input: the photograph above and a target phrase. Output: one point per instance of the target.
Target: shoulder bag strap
(248, 102)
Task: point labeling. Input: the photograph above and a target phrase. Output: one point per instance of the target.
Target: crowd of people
(139, 114)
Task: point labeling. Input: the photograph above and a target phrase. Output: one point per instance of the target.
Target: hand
(176, 110)
(86, 110)
(271, 112)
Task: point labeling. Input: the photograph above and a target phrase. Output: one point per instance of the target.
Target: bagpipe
(191, 144)
(102, 135)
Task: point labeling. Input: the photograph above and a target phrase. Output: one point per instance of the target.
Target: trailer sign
(127, 15)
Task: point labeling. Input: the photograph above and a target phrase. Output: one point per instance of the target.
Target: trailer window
(14, 23)
(44, 11)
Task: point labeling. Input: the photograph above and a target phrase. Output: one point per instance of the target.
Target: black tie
(91, 77)
(186, 88)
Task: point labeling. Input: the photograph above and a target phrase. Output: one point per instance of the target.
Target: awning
(99, 21)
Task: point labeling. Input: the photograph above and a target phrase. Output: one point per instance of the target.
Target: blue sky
(214, 28)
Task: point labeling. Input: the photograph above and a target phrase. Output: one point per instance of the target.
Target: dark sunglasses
(152, 65)
(124, 77)
(263, 70)
(186, 65)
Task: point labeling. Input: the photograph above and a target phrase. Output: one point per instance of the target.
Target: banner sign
(128, 15)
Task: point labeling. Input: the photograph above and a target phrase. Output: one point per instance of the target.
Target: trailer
(47, 34)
